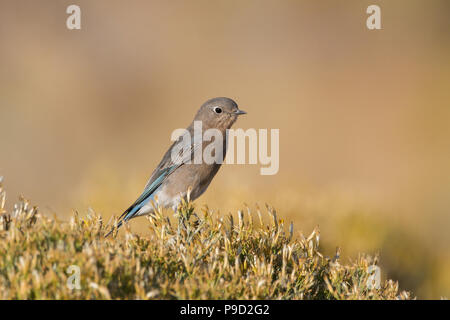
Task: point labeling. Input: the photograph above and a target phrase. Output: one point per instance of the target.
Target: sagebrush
(188, 254)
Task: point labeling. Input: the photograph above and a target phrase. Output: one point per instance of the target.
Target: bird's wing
(166, 167)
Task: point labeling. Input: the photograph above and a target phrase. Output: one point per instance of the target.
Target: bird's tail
(146, 196)
(127, 215)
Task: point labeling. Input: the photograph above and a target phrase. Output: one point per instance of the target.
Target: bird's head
(219, 113)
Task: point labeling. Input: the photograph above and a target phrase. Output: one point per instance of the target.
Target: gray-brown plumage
(179, 171)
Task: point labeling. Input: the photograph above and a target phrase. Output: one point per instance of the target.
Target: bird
(177, 174)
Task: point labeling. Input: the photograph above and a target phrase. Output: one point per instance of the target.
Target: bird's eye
(217, 110)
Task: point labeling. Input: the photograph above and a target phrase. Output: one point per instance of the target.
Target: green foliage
(189, 255)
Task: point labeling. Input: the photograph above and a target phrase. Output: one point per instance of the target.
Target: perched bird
(174, 175)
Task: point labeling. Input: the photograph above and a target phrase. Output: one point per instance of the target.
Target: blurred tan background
(364, 116)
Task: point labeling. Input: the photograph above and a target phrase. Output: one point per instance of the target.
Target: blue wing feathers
(147, 195)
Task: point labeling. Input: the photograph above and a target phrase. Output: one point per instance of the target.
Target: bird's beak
(239, 112)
